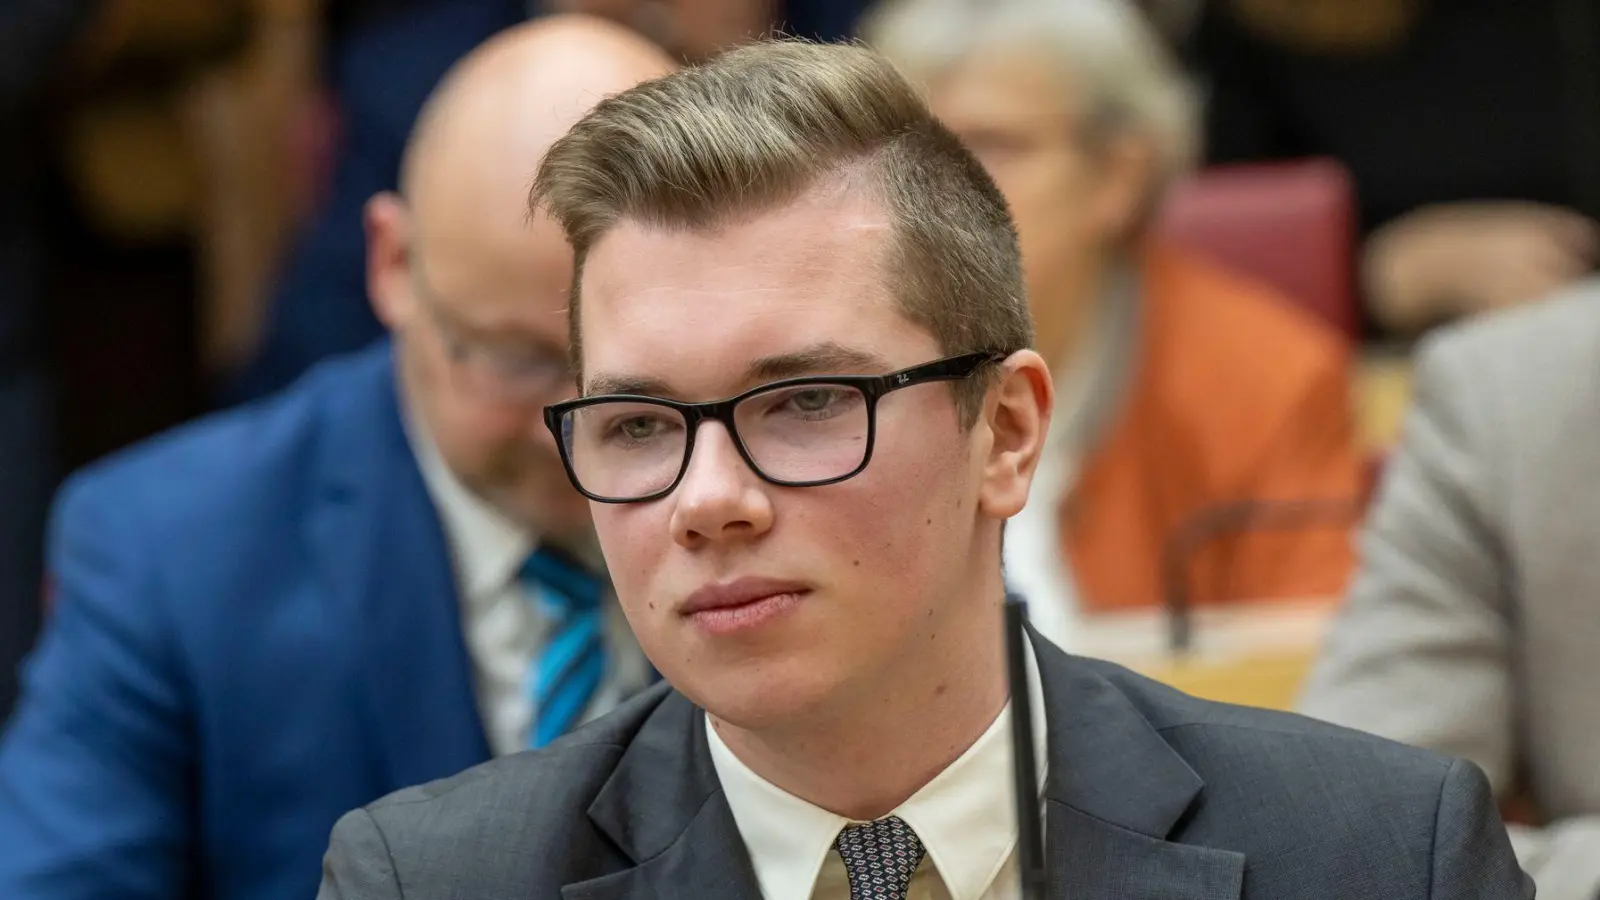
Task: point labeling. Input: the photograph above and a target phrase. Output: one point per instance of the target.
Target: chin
(758, 695)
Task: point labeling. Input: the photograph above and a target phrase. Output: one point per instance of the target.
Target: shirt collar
(964, 817)
(487, 547)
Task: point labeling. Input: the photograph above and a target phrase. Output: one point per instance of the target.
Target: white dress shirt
(964, 817)
(501, 623)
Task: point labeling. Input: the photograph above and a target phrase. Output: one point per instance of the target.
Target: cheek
(1048, 227)
(472, 426)
(489, 427)
(900, 524)
(633, 539)
(1049, 192)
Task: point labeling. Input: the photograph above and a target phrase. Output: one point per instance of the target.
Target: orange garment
(1235, 397)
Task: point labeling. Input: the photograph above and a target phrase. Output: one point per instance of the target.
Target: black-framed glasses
(798, 432)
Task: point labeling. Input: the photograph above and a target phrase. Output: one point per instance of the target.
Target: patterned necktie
(879, 857)
(569, 669)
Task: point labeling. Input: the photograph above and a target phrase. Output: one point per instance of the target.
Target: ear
(1128, 170)
(1017, 416)
(388, 226)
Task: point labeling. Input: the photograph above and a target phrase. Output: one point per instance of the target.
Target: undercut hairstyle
(752, 130)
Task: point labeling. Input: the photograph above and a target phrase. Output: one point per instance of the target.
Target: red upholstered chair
(1290, 225)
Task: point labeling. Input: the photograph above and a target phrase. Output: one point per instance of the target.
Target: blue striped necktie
(564, 678)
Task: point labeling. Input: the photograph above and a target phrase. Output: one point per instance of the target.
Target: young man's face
(866, 577)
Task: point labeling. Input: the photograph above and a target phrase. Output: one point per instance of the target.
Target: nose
(719, 498)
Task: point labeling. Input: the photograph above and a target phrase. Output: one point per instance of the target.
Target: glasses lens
(624, 450)
(805, 433)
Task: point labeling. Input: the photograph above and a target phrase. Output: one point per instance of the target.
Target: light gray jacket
(1473, 627)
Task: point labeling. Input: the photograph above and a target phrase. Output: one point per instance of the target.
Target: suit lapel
(1096, 860)
(385, 557)
(664, 807)
(1115, 793)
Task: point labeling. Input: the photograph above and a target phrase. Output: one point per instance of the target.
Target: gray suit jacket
(1473, 627)
(1151, 794)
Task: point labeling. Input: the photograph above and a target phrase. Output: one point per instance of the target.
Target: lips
(743, 606)
(742, 592)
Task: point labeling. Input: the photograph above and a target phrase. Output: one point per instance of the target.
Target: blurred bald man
(380, 65)
(371, 580)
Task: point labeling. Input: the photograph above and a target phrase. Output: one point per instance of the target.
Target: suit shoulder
(204, 471)
(1548, 337)
(1308, 802)
(553, 785)
(1210, 733)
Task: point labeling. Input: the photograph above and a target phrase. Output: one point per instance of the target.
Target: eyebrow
(826, 358)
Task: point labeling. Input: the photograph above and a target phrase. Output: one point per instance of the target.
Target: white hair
(1107, 48)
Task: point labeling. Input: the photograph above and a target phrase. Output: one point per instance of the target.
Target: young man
(279, 613)
(809, 409)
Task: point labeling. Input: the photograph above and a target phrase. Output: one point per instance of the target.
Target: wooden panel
(1254, 653)
(1271, 681)
(1382, 392)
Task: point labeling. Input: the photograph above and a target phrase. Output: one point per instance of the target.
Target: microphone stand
(1025, 772)
(1231, 520)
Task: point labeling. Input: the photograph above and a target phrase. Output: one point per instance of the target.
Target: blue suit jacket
(255, 629)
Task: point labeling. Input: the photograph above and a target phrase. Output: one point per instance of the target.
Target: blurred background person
(1471, 129)
(1471, 627)
(369, 581)
(1185, 390)
(380, 66)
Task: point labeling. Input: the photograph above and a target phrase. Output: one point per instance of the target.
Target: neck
(867, 757)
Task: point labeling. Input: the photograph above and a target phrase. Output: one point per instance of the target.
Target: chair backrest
(1290, 225)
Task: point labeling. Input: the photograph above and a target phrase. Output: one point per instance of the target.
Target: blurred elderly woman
(1203, 440)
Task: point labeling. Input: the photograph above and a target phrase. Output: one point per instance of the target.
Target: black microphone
(1025, 774)
(1228, 519)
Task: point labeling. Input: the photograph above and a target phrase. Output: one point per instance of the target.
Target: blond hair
(759, 125)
